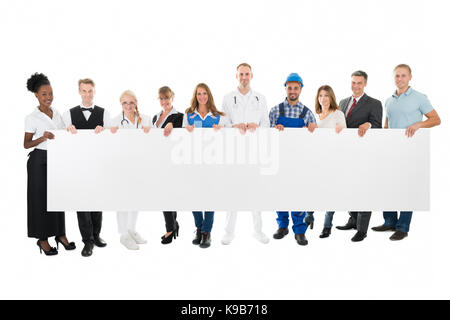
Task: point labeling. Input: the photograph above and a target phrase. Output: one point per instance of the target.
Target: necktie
(86, 109)
(352, 107)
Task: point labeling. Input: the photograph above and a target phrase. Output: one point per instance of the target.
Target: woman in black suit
(41, 223)
(168, 119)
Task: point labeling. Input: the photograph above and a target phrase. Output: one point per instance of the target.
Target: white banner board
(224, 170)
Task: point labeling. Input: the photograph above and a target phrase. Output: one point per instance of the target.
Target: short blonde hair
(244, 64)
(402, 65)
(86, 81)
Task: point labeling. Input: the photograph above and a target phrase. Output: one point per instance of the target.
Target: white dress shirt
(248, 108)
(38, 122)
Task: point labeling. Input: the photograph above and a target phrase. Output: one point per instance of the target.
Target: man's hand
(363, 129)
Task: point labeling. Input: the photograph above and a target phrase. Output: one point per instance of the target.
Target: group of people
(243, 109)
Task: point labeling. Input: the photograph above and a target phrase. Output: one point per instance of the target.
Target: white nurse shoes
(137, 237)
(227, 238)
(261, 237)
(128, 242)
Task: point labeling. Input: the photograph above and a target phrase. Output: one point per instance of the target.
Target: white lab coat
(126, 220)
(251, 108)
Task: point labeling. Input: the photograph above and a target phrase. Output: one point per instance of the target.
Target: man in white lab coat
(247, 110)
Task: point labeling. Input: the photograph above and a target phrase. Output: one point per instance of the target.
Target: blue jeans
(401, 224)
(299, 225)
(204, 223)
(328, 218)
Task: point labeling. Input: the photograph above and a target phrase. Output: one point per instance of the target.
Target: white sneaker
(261, 237)
(227, 238)
(128, 242)
(137, 237)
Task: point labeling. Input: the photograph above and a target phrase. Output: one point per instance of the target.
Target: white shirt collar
(208, 114)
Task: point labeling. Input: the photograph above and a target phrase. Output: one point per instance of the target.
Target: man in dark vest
(87, 116)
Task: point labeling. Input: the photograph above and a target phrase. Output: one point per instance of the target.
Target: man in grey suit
(362, 112)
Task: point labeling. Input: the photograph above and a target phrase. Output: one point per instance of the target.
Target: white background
(141, 46)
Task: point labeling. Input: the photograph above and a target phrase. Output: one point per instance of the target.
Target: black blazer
(366, 110)
(176, 119)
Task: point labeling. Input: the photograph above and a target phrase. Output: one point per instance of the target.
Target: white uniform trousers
(230, 224)
(126, 221)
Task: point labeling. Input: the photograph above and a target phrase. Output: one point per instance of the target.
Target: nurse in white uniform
(129, 118)
(247, 110)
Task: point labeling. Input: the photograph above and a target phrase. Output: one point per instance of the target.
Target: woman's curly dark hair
(36, 81)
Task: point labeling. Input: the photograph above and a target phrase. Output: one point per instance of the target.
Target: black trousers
(41, 223)
(360, 219)
(171, 220)
(90, 224)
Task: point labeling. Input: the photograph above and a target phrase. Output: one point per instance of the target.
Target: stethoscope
(235, 102)
(123, 119)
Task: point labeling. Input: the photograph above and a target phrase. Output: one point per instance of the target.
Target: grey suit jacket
(367, 109)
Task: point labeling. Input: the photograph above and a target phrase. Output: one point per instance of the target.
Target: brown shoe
(383, 228)
(398, 235)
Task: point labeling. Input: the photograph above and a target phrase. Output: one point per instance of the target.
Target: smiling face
(202, 96)
(165, 102)
(128, 103)
(402, 78)
(87, 92)
(358, 85)
(45, 95)
(244, 75)
(324, 99)
(293, 90)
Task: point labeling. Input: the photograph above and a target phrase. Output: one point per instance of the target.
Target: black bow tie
(86, 109)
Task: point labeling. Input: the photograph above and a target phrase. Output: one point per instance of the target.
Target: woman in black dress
(42, 224)
(168, 119)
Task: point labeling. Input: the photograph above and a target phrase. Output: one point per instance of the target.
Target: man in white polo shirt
(247, 110)
(405, 110)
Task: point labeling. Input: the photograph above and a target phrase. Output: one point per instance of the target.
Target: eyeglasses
(132, 104)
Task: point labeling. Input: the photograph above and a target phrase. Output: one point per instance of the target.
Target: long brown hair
(333, 104)
(210, 104)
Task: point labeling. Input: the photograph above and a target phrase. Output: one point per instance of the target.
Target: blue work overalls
(298, 217)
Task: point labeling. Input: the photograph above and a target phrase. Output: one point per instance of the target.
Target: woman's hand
(312, 127)
(98, 129)
(146, 129)
(48, 135)
(339, 128)
(217, 127)
(168, 129)
(190, 128)
(72, 129)
(114, 129)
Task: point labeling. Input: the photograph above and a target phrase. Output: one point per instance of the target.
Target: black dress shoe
(206, 240)
(301, 239)
(87, 250)
(383, 228)
(198, 237)
(281, 232)
(99, 242)
(359, 236)
(348, 226)
(325, 233)
(398, 235)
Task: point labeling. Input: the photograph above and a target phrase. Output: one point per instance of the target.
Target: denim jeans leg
(404, 221)
(390, 218)
(328, 219)
(198, 218)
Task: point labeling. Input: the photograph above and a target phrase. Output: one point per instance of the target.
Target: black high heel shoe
(172, 236)
(70, 246)
(51, 252)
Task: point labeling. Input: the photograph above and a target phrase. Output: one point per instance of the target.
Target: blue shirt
(291, 112)
(407, 109)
